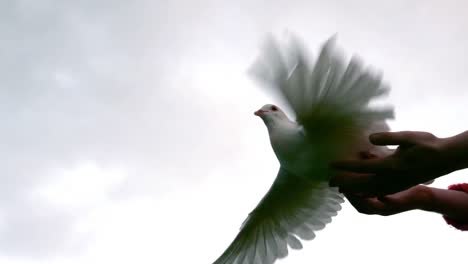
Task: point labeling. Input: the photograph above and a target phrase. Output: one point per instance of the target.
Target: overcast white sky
(127, 131)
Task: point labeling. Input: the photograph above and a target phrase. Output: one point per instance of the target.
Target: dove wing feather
(329, 95)
(291, 211)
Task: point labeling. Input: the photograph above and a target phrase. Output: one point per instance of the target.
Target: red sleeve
(463, 187)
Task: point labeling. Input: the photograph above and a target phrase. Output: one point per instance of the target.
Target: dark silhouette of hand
(419, 158)
(414, 198)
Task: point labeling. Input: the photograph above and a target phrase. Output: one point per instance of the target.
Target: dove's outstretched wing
(329, 96)
(293, 209)
(331, 100)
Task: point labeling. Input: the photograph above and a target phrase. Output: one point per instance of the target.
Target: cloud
(107, 106)
(113, 84)
(79, 84)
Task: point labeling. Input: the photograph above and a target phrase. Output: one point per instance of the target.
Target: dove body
(294, 151)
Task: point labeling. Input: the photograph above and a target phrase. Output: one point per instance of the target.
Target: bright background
(127, 131)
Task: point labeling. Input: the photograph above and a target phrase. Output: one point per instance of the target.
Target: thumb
(401, 200)
(389, 199)
(394, 138)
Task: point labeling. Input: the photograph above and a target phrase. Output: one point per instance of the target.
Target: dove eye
(274, 108)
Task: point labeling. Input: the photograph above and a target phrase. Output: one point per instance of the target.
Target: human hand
(416, 197)
(419, 158)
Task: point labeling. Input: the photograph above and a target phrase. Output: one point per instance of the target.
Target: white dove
(334, 118)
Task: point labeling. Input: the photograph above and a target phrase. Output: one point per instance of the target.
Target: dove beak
(259, 112)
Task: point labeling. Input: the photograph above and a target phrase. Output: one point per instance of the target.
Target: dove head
(271, 114)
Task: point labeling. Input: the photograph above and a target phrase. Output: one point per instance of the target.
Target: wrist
(454, 151)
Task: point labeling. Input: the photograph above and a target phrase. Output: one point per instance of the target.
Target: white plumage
(334, 118)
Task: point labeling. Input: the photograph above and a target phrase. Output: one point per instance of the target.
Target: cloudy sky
(127, 131)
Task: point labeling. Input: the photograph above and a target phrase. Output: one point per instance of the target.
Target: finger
(402, 200)
(367, 205)
(397, 198)
(341, 178)
(394, 204)
(375, 205)
(360, 166)
(351, 182)
(394, 138)
(392, 199)
(365, 155)
(367, 185)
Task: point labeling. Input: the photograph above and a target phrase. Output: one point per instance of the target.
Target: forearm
(455, 151)
(450, 203)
